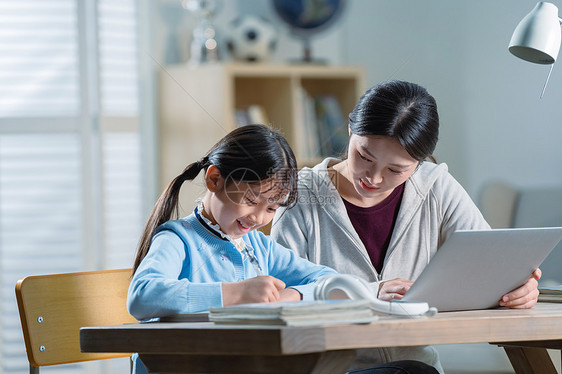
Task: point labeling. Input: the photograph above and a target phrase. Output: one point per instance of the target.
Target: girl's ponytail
(166, 207)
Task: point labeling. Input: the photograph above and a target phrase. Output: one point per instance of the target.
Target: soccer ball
(251, 39)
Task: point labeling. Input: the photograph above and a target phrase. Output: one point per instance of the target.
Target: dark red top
(375, 224)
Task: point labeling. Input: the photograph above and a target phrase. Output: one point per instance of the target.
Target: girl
(383, 211)
(215, 256)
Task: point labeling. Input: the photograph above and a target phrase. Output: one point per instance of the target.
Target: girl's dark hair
(249, 154)
(400, 110)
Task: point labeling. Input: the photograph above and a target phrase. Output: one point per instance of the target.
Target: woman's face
(377, 165)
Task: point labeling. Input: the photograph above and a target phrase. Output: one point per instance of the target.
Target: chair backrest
(498, 202)
(53, 307)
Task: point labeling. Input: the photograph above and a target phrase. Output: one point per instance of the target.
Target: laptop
(474, 269)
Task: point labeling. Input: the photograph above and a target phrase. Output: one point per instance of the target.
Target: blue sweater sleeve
(295, 271)
(157, 291)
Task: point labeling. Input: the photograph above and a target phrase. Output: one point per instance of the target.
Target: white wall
(493, 124)
(422, 42)
(514, 134)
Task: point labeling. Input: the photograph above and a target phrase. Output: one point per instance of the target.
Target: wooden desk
(209, 348)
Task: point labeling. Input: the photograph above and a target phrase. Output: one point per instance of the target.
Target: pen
(254, 261)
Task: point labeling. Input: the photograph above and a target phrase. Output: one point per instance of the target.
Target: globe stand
(307, 54)
(305, 18)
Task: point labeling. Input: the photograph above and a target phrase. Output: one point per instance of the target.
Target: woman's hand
(261, 289)
(525, 296)
(394, 289)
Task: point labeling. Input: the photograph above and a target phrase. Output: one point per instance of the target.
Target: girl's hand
(289, 294)
(525, 296)
(394, 289)
(261, 289)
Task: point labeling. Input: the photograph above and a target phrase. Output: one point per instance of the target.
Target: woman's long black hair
(401, 110)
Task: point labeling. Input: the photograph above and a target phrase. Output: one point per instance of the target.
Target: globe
(308, 17)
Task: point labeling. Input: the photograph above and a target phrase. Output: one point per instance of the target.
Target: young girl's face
(239, 207)
(377, 165)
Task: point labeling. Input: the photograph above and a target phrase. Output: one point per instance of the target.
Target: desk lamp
(537, 37)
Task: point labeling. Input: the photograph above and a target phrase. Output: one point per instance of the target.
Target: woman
(384, 211)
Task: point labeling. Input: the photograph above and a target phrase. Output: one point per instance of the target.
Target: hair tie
(204, 162)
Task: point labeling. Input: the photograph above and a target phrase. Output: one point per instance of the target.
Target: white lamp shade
(537, 37)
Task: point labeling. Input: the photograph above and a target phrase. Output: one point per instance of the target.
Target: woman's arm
(458, 211)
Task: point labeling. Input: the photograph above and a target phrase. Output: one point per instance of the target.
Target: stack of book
(551, 294)
(299, 313)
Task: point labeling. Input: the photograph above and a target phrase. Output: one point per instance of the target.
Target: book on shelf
(551, 294)
(299, 313)
(324, 130)
(253, 114)
(241, 117)
(257, 114)
(309, 146)
(331, 125)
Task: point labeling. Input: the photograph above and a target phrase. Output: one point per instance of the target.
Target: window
(70, 169)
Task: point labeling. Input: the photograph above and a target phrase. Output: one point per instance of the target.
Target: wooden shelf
(198, 106)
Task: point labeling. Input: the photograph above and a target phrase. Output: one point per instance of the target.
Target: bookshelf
(199, 105)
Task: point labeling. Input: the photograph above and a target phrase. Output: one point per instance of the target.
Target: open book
(298, 313)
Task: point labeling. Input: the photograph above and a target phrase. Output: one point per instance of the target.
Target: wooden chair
(53, 307)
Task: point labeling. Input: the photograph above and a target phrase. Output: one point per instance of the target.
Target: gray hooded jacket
(434, 205)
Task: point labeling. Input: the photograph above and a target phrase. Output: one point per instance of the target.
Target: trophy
(204, 47)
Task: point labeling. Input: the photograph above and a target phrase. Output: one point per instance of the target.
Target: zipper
(401, 236)
(357, 245)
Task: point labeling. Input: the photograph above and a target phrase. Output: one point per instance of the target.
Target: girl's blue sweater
(186, 264)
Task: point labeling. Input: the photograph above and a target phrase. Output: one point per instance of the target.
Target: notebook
(474, 269)
(295, 313)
